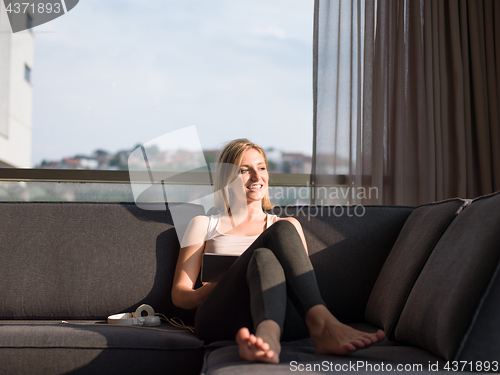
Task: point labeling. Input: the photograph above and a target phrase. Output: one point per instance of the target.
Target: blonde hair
(232, 154)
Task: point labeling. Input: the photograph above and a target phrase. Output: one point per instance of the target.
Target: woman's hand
(188, 298)
(205, 290)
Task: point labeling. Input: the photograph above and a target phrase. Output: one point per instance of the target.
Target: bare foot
(262, 348)
(332, 337)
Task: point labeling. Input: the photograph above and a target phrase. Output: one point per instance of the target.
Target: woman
(272, 282)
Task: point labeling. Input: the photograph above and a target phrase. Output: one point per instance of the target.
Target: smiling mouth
(255, 187)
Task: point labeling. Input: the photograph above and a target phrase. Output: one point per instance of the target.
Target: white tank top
(221, 243)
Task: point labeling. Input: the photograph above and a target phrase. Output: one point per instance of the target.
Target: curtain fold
(406, 96)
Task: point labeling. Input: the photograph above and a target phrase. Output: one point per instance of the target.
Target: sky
(112, 74)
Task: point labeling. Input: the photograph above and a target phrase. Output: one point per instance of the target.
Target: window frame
(122, 177)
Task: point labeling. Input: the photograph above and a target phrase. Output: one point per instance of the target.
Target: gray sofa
(428, 276)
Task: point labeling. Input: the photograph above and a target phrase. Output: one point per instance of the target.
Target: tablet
(214, 266)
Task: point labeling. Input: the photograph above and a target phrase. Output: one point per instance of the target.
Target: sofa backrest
(348, 246)
(74, 260)
(451, 301)
(415, 243)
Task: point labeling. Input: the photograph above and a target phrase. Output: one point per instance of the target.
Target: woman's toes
(252, 340)
(380, 335)
(350, 348)
(264, 346)
(254, 348)
(359, 344)
(268, 353)
(243, 334)
(259, 342)
(366, 340)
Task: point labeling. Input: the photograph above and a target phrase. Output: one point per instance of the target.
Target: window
(27, 73)
(235, 69)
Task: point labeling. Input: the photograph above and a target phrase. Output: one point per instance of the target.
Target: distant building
(16, 93)
(103, 158)
(69, 163)
(274, 160)
(296, 163)
(173, 160)
(86, 162)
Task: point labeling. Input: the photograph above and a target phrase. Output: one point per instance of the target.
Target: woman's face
(254, 174)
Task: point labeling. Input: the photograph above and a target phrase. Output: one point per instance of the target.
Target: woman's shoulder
(199, 220)
(196, 231)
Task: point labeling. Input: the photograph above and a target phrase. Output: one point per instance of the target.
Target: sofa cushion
(74, 260)
(446, 295)
(482, 341)
(418, 237)
(298, 356)
(348, 246)
(95, 347)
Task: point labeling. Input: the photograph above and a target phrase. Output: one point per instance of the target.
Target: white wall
(16, 94)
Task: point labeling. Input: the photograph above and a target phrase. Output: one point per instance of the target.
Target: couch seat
(80, 347)
(222, 358)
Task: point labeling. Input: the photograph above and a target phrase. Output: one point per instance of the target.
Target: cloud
(271, 31)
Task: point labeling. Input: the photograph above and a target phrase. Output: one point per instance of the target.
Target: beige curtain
(422, 93)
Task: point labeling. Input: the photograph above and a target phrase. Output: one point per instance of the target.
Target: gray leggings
(273, 279)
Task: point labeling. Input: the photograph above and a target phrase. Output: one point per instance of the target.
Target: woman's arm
(188, 266)
(297, 225)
